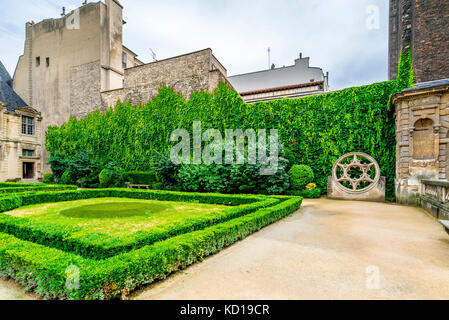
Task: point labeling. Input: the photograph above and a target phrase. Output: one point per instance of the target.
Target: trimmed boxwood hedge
(43, 269)
(35, 188)
(307, 194)
(142, 177)
(99, 246)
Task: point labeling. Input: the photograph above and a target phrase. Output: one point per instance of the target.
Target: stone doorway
(28, 170)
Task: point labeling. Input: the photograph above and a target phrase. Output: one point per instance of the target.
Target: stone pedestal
(356, 176)
(376, 194)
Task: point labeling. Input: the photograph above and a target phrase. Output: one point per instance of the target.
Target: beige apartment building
(20, 135)
(293, 81)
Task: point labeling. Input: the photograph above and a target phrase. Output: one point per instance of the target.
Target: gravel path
(327, 250)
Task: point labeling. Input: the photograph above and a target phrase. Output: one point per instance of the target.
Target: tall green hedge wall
(317, 129)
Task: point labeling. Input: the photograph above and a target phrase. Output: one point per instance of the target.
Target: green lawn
(117, 216)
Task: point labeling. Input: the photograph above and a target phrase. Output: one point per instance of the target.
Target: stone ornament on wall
(356, 176)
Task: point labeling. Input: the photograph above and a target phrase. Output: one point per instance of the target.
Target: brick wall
(431, 39)
(425, 25)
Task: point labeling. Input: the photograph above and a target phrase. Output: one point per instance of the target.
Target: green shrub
(307, 194)
(106, 178)
(49, 178)
(67, 178)
(58, 165)
(148, 178)
(300, 176)
(165, 169)
(311, 186)
(112, 177)
(231, 179)
(158, 186)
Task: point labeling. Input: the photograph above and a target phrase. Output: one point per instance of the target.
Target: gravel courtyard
(327, 250)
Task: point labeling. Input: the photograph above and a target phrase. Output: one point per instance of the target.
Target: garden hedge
(43, 269)
(317, 129)
(35, 188)
(307, 194)
(99, 246)
(142, 177)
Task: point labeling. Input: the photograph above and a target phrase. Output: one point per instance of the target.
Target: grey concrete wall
(85, 89)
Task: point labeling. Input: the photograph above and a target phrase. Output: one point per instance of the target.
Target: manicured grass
(117, 209)
(117, 217)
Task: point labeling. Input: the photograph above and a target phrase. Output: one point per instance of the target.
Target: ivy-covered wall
(316, 129)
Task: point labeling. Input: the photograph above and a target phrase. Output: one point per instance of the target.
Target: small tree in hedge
(58, 165)
(112, 176)
(165, 169)
(49, 178)
(300, 176)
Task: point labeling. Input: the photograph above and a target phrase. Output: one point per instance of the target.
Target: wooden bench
(445, 224)
(139, 186)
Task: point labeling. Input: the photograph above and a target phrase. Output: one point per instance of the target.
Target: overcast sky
(340, 36)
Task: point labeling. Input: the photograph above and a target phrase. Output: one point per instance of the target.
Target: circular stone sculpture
(356, 176)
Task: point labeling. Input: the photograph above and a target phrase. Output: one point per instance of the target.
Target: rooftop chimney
(63, 12)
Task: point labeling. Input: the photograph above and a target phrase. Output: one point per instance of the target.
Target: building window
(124, 60)
(28, 153)
(27, 125)
(47, 61)
(38, 61)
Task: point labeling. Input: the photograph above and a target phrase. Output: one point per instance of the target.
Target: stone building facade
(422, 124)
(286, 82)
(77, 64)
(20, 135)
(424, 25)
(197, 71)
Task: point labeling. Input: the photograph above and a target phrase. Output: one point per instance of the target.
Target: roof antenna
(153, 55)
(269, 57)
(63, 12)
